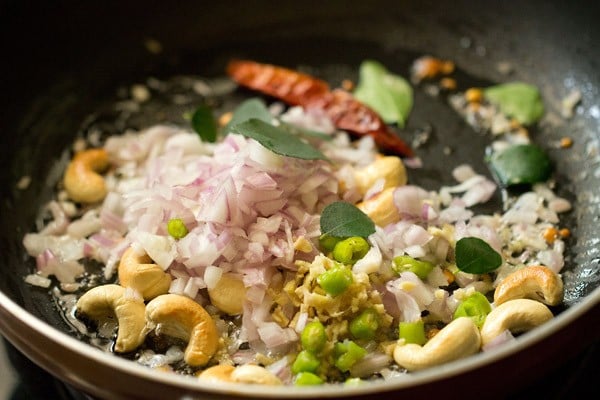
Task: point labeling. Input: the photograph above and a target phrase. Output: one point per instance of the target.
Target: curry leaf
(519, 100)
(520, 164)
(251, 108)
(277, 140)
(307, 133)
(475, 256)
(203, 122)
(341, 219)
(388, 94)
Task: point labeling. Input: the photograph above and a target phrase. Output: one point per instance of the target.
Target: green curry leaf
(519, 100)
(520, 164)
(203, 123)
(277, 139)
(475, 256)
(303, 132)
(341, 219)
(388, 94)
(251, 108)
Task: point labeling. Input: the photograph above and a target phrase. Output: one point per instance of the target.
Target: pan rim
(86, 351)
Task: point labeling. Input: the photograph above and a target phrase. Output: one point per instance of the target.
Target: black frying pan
(65, 61)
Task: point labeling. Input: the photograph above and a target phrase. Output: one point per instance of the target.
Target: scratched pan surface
(65, 61)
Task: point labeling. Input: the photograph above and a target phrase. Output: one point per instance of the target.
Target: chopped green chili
(353, 382)
(313, 337)
(347, 354)
(328, 242)
(350, 250)
(336, 280)
(365, 325)
(476, 306)
(405, 263)
(177, 228)
(305, 362)
(413, 332)
(307, 379)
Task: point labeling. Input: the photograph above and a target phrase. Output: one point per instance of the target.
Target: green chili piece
(413, 332)
(307, 379)
(176, 228)
(353, 382)
(476, 306)
(305, 362)
(336, 280)
(340, 348)
(408, 264)
(328, 242)
(348, 353)
(313, 337)
(350, 250)
(365, 325)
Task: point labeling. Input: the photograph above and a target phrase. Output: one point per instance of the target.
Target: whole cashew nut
(228, 294)
(248, 373)
(460, 338)
(390, 168)
(255, 374)
(183, 318)
(108, 301)
(138, 272)
(82, 180)
(536, 282)
(217, 373)
(381, 208)
(518, 315)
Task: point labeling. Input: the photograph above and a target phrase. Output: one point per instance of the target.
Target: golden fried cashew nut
(390, 168)
(228, 294)
(381, 208)
(82, 179)
(255, 374)
(518, 315)
(115, 301)
(181, 317)
(536, 282)
(217, 373)
(248, 373)
(138, 272)
(460, 338)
